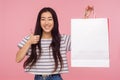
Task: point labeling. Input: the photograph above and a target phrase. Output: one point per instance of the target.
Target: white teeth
(47, 27)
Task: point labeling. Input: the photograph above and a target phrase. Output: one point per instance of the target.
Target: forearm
(22, 52)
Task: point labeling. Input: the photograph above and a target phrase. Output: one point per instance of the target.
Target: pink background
(17, 17)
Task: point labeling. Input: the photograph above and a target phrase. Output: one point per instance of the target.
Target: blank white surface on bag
(89, 42)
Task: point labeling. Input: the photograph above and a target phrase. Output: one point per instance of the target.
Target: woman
(46, 49)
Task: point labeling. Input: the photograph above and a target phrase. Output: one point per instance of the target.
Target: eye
(42, 19)
(50, 19)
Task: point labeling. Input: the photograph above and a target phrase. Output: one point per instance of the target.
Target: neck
(46, 35)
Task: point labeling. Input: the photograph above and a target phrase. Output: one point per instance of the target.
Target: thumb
(31, 31)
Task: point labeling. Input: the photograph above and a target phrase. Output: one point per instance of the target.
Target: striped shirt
(45, 64)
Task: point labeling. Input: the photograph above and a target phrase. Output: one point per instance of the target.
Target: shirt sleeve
(23, 42)
(68, 42)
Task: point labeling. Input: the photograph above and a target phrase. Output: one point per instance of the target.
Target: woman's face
(47, 22)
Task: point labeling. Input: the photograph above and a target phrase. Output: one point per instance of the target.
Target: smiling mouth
(47, 27)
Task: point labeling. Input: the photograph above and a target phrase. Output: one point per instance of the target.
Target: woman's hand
(34, 39)
(88, 11)
(22, 51)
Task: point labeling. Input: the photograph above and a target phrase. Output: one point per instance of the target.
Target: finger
(91, 7)
(31, 35)
(38, 36)
(36, 39)
(31, 31)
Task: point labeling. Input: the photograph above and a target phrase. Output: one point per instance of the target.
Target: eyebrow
(44, 17)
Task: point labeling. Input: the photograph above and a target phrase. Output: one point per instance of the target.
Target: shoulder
(65, 36)
(23, 41)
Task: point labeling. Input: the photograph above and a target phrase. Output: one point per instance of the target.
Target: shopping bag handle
(88, 11)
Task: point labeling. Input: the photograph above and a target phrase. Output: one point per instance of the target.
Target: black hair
(55, 44)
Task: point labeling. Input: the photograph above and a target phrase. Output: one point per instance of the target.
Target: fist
(34, 39)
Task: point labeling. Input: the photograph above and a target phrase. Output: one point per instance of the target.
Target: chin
(47, 31)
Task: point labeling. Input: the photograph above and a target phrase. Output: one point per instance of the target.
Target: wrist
(29, 42)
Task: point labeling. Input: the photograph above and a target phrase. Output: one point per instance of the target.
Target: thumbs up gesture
(34, 39)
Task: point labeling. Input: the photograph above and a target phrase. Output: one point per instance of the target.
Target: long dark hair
(55, 44)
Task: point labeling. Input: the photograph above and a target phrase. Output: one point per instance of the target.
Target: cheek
(41, 23)
(52, 26)
(52, 23)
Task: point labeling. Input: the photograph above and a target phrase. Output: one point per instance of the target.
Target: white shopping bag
(89, 42)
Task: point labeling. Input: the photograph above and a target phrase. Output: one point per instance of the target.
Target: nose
(46, 22)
